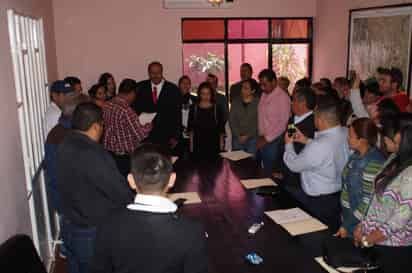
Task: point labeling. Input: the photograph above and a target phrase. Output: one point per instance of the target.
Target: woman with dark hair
(206, 124)
(358, 174)
(98, 93)
(387, 226)
(107, 80)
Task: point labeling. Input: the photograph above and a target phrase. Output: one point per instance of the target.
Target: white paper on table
(235, 155)
(256, 183)
(145, 118)
(174, 159)
(191, 197)
(333, 270)
(296, 221)
(286, 216)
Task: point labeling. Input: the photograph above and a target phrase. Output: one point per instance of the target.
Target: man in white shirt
(58, 91)
(320, 164)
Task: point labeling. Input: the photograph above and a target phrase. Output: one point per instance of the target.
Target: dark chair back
(19, 255)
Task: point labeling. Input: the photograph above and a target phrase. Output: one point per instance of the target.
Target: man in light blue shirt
(320, 164)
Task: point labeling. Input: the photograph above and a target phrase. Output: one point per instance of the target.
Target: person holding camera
(320, 163)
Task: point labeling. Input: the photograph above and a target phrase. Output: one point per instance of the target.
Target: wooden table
(228, 210)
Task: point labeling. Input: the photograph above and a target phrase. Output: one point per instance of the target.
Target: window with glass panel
(221, 45)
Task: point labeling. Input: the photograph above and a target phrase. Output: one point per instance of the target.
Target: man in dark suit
(156, 95)
(89, 185)
(148, 236)
(303, 104)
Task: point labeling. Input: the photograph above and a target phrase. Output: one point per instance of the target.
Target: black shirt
(88, 181)
(135, 241)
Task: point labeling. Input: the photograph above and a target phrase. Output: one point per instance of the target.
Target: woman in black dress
(206, 124)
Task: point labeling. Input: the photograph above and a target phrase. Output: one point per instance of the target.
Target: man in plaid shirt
(123, 131)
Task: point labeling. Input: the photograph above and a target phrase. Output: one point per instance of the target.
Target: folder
(256, 183)
(296, 221)
(235, 155)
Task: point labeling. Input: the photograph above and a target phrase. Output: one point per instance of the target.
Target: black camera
(291, 130)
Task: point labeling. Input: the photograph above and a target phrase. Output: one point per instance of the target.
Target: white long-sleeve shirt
(358, 107)
(51, 118)
(321, 162)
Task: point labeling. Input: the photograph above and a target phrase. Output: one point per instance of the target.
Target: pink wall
(95, 36)
(14, 206)
(331, 34)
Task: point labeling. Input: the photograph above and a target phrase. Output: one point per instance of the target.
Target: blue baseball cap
(61, 87)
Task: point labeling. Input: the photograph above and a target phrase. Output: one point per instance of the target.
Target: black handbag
(341, 252)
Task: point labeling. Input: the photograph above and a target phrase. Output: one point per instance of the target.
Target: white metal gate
(30, 75)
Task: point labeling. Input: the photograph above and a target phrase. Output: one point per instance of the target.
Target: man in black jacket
(156, 95)
(148, 236)
(303, 104)
(89, 184)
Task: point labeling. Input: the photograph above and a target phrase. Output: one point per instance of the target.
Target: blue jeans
(249, 146)
(269, 154)
(79, 243)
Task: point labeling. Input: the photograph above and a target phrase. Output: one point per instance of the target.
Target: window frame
(269, 40)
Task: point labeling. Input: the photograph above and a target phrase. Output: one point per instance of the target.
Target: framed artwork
(381, 37)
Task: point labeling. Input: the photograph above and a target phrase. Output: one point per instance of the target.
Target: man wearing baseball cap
(58, 91)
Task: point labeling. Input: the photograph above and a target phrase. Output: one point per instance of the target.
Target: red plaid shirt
(123, 131)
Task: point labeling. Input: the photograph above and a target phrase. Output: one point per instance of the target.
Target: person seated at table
(358, 174)
(98, 93)
(149, 236)
(206, 124)
(320, 163)
(387, 227)
(243, 119)
(303, 104)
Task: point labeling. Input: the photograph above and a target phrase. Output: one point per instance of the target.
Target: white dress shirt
(158, 87)
(321, 162)
(358, 107)
(299, 119)
(51, 118)
(153, 203)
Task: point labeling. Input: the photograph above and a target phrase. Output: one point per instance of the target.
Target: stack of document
(257, 183)
(296, 221)
(235, 155)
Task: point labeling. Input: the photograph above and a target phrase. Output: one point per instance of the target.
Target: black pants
(326, 208)
(393, 259)
(122, 162)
